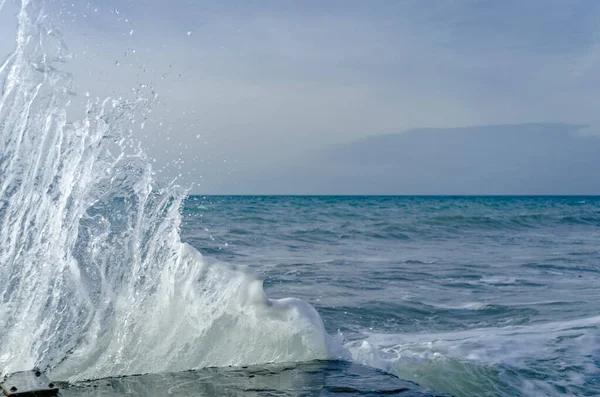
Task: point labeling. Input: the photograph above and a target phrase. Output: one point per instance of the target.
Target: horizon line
(391, 195)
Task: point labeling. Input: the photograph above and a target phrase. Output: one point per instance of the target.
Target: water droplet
(189, 33)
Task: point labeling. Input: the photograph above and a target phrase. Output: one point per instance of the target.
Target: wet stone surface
(319, 378)
(28, 384)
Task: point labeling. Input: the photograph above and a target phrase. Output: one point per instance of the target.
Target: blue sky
(259, 86)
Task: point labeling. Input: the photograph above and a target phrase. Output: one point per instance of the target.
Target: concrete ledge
(28, 384)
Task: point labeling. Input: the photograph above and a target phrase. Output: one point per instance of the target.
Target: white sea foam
(462, 306)
(94, 279)
(498, 280)
(487, 361)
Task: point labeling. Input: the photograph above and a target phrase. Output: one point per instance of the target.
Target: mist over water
(95, 280)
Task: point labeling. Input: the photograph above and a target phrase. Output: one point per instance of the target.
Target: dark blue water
(473, 296)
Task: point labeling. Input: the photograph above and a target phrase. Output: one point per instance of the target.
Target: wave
(95, 280)
(551, 359)
(514, 222)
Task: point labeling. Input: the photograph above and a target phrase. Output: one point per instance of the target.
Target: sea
(461, 296)
(473, 296)
(115, 282)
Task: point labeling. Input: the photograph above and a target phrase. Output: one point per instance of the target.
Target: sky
(255, 94)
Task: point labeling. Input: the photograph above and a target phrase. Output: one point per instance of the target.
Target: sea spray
(94, 278)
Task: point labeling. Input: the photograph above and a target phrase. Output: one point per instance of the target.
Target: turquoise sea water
(475, 296)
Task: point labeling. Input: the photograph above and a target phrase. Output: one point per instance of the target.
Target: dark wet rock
(317, 378)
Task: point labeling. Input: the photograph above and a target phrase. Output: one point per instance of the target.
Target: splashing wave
(94, 278)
